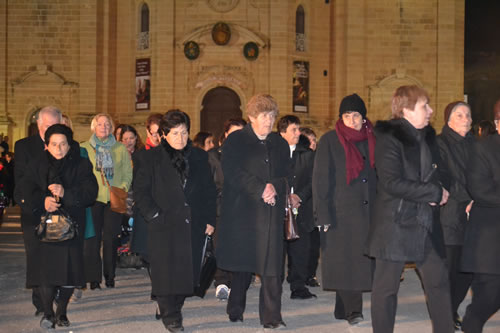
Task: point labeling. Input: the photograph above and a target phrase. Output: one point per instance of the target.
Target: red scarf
(354, 162)
(149, 144)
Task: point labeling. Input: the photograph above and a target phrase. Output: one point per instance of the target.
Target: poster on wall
(300, 86)
(142, 84)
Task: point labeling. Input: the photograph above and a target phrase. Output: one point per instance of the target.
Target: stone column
(4, 121)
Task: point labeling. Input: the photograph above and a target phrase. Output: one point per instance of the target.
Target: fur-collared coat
(403, 193)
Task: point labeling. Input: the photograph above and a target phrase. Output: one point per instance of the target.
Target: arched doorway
(219, 104)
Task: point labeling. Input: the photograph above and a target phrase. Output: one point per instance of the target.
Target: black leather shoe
(95, 285)
(62, 321)
(302, 294)
(355, 318)
(48, 322)
(312, 282)
(457, 321)
(275, 326)
(235, 319)
(110, 283)
(175, 326)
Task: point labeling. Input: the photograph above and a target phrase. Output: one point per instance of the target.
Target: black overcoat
(346, 208)
(60, 263)
(176, 235)
(454, 150)
(27, 150)
(302, 168)
(480, 253)
(251, 232)
(395, 232)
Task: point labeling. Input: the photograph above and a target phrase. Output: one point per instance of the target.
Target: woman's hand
(57, 190)
(209, 230)
(51, 204)
(295, 200)
(269, 194)
(469, 207)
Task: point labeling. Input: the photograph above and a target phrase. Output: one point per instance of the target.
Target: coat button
(364, 180)
(186, 205)
(187, 220)
(266, 160)
(365, 202)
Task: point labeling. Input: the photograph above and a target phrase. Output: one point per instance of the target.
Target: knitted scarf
(354, 162)
(179, 159)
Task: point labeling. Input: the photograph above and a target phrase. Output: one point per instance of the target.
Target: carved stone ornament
(222, 6)
(221, 33)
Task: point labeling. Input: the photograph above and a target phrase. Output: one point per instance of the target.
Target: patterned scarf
(103, 158)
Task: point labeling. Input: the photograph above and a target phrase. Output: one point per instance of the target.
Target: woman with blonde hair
(112, 167)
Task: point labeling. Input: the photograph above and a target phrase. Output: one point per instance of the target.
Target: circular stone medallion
(251, 51)
(191, 50)
(221, 33)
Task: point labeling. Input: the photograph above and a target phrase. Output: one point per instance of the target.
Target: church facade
(130, 58)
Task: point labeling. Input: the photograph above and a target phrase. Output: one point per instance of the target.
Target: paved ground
(127, 307)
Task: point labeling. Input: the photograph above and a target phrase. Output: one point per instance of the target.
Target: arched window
(300, 31)
(143, 37)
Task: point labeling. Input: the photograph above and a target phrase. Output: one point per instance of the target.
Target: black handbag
(208, 268)
(57, 226)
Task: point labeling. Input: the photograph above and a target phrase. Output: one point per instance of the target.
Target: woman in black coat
(344, 184)
(481, 250)
(61, 178)
(454, 143)
(174, 191)
(256, 164)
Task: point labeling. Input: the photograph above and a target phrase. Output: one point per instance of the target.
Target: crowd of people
(379, 196)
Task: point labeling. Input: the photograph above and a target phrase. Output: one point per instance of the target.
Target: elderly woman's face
(460, 120)
(263, 124)
(102, 128)
(129, 140)
(177, 138)
(58, 146)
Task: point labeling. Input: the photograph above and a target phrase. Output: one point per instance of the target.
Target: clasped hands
(52, 203)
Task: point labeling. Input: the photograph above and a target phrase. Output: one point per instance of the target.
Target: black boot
(47, 295)
(62, 306)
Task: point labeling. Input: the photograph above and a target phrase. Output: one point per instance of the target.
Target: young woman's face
(209, 143)
(129, 139)
(58, 146)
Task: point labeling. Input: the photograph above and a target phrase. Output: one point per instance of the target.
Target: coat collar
(403, 131)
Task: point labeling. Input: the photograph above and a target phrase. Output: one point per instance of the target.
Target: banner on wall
(142, 84)
(300, 86)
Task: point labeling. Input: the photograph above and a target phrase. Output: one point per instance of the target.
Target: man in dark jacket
(29, 150)
(405, 225)
(481, 250)
(302, 159)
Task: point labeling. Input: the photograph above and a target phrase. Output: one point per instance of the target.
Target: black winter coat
(302, 166)
(454, 150)
(251, 232)
(176, 235)
(61, 263)
(481, 250)
(346, 208)
(403, 193)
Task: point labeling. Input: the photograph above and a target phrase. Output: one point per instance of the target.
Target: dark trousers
(485, 302)
(459, 281)
(107, 225)
(313, 253)
(434, 276)
(170, 308)
(48, 293)
(348, 302)
(269, 297)
(298, 260)
(36, 299)
(222, 277)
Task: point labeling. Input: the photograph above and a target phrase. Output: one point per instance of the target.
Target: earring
(364, 121)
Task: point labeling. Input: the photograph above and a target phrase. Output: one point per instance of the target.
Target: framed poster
(142, 84)
(300, 86)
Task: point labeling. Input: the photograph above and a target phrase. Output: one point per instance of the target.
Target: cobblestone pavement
(127, 308)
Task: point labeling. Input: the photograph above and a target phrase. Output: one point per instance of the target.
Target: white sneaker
(222, 292)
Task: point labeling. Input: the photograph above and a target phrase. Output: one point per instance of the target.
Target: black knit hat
(352, 103)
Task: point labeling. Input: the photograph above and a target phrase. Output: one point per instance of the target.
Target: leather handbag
(117, 197)
(56, 226)
(207, 268)
(291, 228)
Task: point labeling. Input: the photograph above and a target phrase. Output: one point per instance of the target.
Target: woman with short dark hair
(60, 179)
(174, 191)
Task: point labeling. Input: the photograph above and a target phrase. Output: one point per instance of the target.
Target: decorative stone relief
(380, 94)
(222, 6)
